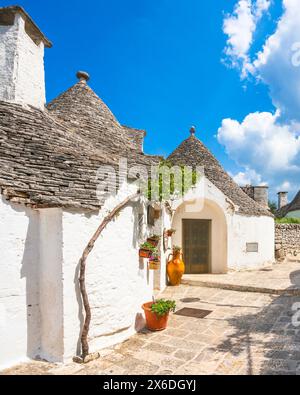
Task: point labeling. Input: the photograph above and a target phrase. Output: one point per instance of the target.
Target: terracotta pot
(153, 242)
(175, 269)
(155, 322)
(154, 265)
(170, 233)
(144, 253)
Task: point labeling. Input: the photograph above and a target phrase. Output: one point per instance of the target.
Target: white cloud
(247, 177)
(265, 143)
(261, 7)
(269, 151)
(277, 64)
(285, 186)
(240, 27)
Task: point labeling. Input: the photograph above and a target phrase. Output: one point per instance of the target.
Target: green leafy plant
(156, 188)
(147, 246)
(272, 207)
(176, 249)
(287, 220)
(162, 307)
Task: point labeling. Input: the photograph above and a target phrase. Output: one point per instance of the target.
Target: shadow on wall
(205, 209)
(80, 308)
(140, 322)
(273, 333)
(136, 238)
(139, 220)
(29, 271)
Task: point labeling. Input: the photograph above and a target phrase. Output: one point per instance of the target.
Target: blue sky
(158, 66)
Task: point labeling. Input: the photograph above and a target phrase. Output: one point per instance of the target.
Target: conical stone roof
(82, 111)
(192, 152)
(52, 158)
(293, 206)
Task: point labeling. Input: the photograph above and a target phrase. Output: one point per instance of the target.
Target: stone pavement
(246, 334)
(280, 279)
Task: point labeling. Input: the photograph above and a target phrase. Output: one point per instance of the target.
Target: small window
(252, 247)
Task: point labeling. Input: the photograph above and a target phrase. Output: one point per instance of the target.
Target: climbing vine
(82, 277)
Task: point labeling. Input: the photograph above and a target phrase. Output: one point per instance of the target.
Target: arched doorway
(201, 231)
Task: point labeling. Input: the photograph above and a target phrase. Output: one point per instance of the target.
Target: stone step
(241, 288)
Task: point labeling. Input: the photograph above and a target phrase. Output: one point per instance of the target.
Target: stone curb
(242, 288)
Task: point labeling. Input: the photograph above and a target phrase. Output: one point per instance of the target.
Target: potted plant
(154, 262)
(170, 232)
(145, 250)
(157, 313)
(154, 240)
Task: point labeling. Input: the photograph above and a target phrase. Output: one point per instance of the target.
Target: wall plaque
(252, 247)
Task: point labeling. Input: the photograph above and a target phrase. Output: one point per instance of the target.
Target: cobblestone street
(246, 333)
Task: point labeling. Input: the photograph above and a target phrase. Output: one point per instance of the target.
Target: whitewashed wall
(230, 231)
(22, 76)
(164, 223)
(51, 284)
(19, 291)
(209, 211)
(245, 230)
(118, 282)
(41, 312)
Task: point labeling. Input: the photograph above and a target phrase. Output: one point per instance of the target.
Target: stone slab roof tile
(192, 152)
(42, 162)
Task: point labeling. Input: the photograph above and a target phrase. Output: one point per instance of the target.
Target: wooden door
(196, 245)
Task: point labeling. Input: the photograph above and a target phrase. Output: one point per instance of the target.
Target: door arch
(217, 242)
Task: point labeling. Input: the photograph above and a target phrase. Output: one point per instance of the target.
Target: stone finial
(193, 130)
(83, 76)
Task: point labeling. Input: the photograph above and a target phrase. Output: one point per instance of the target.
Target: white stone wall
(118, 282)
(219, 256)
(41, 312)
(250, 230)
(164, 223)
(22, 76)
(19, 291)
(51, 284)
(230, 231)
(8, 46)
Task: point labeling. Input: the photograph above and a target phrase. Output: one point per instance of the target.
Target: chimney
(282, 199)
(22, 75)
(259, 193)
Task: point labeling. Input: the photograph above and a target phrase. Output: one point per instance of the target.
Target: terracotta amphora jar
(175, 267)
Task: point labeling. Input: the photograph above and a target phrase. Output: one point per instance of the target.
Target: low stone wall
(287, 242)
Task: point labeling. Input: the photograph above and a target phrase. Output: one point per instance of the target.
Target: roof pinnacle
(193, 131)
(83, 76)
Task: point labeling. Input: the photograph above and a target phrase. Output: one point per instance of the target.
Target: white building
(51, 205)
